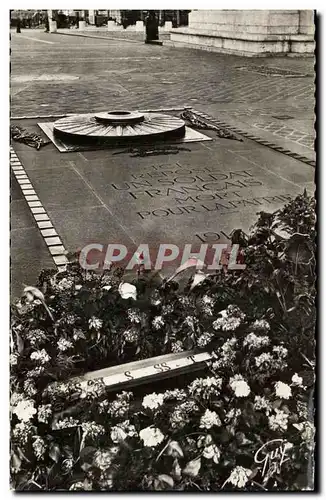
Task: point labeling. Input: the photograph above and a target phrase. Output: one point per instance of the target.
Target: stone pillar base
(53, 26)
(140, 27)
(112, 26)
(244, 44)
(249, 32)
(167, 27)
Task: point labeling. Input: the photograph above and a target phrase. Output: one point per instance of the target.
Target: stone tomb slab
(191, 197)
(179, 199)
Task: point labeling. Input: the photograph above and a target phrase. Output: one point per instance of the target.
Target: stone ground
(57, 74)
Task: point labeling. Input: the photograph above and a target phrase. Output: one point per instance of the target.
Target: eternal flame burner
(119, 128)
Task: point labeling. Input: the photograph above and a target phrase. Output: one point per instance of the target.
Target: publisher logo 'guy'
(272, 455)
(211, 256)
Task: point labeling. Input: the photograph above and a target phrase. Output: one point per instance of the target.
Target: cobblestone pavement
(54, 73)
(132, 36)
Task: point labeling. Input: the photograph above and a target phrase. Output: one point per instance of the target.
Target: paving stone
(28, 254)
(53, 241)
(28, 191)
(48, 232)
(20, 216)
(52, 186)
(57, 250)
(39, 217)
(37, 210)
(83, 226)
(44, 223)
(60, 259)
(34, 203)
(24, 182)
(15, 190)
(32, 197)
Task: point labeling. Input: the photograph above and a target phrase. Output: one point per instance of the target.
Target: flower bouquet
(246, 423)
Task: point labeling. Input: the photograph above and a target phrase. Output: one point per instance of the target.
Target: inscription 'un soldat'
(183, 179)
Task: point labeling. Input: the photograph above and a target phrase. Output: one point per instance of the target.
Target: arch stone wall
(249, 32)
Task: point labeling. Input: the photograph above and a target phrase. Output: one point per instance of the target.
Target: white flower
(212, 452)
(296, 380)
(209, 419)
(239, 476)
(65, 423)
(121, 431)
(65, 284)
(167, 309)
(44, 413)
(208, 301)
(92, 429)
(78, 334)
(151, 436)
(307, 430)
(189, 321)
(13, 359)
(227, 324)
(15, 398)
(158, 322)
(308, 433)
(153, 401)
(95, 323)
(261, 403)
(261, 324)
(40, 356)
(29, 387)
(117, 434)
(36, 372)
(178, 394)
(104, 458)
(239, 386)
(91, 389)
(25, 410)
(131, 335)
(204, 339)
(282, 390)
(70, 319)
(64, 345)
(228, 346)
(232, 414)
(22, 431)
(280, 351)
(205, 387)
(128, 291)
(39, 447)
(255, 342)
(177, 346)
(134, 315)
(279, 421)
(265, 357)
(302, 409)
(207, 305)
(156, 301)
